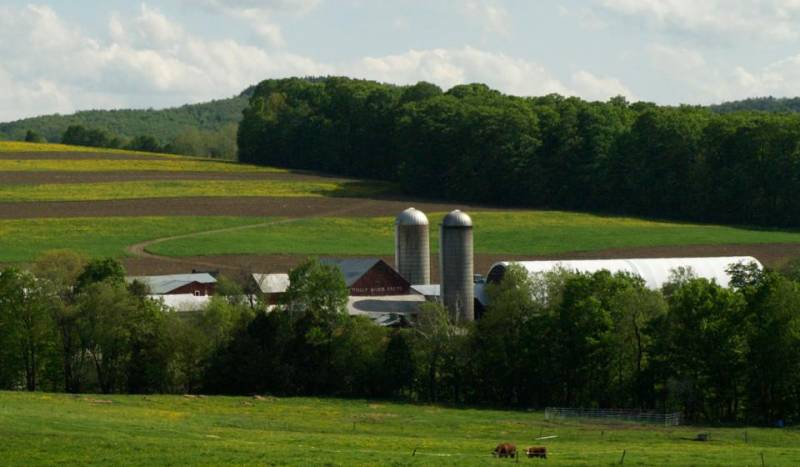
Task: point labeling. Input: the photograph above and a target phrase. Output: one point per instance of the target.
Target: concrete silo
(456, 266)
(412, 251)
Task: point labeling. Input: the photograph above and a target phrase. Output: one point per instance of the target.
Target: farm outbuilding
(655, 271)
(272, 286)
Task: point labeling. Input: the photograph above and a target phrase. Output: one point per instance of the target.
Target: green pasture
(518, 233)
(22, 240)
(186, 188)
(511, 233)
(184, 164)
(59, 429)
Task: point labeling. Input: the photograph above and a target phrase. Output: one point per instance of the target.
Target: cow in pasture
(505, 450)
(537, 451)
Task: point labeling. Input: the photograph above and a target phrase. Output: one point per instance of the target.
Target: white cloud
(765, 19)
(155, 29)
(27, 98)
(495, 18)
(710, 82)
(449, 67)
(676, 60)
(258, 22)
(781, 78)
(586, 17)
(593, 87)
(51, 66)
(258, 14)
(292, 6)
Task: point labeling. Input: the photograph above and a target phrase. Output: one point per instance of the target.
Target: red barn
(370, 277)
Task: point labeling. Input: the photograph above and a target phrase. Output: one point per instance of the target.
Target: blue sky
(60, 56)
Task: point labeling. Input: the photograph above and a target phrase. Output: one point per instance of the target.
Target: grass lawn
(25, 239)
(56, 429)
(512, 233)
(108, 165)
(185, 188)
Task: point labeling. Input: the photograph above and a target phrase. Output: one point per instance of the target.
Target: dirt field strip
(771, 255)
(255, 206)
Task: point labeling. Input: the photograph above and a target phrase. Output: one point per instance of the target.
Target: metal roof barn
(655, 271)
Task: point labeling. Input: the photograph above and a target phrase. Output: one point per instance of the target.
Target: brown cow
(505, 450)
(537, 451)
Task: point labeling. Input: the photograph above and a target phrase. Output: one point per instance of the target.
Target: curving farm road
(139, 250)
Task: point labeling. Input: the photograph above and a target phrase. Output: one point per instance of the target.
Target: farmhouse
(271, 286)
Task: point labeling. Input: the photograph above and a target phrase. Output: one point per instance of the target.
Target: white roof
(428, 290)
(402, 304)
(272, 283)
(184, 302)
(435, 291)
(164, 284)
(655, 271)
(385, 310)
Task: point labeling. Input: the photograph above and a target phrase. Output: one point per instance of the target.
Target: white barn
(655, 271)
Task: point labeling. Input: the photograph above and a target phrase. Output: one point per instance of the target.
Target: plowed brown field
(211, 206)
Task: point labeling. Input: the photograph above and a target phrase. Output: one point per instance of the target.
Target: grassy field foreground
(50, 429)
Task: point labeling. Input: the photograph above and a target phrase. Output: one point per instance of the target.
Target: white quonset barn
(655, 271)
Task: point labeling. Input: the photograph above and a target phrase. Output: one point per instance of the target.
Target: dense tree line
(472, 143)
(761, 104)
(564, 339)
(191, 142)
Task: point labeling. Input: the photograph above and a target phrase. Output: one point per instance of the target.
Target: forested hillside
(475, 144)
(206, 129)
(763, 104)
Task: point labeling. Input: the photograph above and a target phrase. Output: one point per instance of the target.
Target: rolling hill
(167, 213)
(189, 129)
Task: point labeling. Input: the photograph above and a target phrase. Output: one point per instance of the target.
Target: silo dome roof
(412, 216)
(457, 219)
